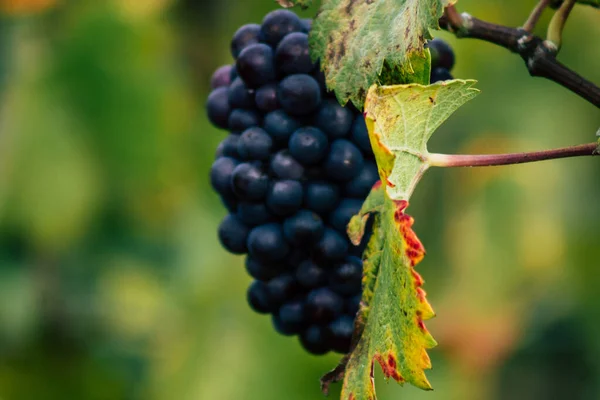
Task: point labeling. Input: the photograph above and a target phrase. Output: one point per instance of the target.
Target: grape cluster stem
(539, 55)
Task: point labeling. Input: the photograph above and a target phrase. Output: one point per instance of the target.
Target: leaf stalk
(488, 160)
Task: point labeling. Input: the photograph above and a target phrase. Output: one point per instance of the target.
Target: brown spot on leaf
(389, 183)
(431, 100)
(350, 6)
(389, 367)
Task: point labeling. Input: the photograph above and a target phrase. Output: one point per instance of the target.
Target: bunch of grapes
(294, 169)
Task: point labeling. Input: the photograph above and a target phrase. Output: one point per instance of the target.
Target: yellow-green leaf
(401, 119)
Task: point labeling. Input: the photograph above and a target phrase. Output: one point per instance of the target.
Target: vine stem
(539, 55)
(557, 23)
(535, 15)
(488, 160)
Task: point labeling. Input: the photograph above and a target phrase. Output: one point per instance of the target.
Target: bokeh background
(112, 281)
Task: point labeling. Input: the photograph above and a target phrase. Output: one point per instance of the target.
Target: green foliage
(357, 40)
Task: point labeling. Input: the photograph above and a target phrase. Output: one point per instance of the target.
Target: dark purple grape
(291, 55)
(228, 147)
(255, 144)
(321, 197)
(262, 271)
(221, 173)
(239, 95)
(310, 275)
(266, 98)
(240, 120)
(440, 74)
(285, 197)
(353, 304)
(299, 94)
(258, 298)
(331, 247)
(221, 77)
(284, 166)
(441, 54)
(233, 234)
(249, 183)
(282, 288)
(314, 340)
(339, 333)
(340, 217)
(217, 107)
(253, 214)
(255, 65)
(344, 160)
(243, 37)
(346, 277)
(323, 305)
(266, 243)
(308, 145)
(306, 25)
(277, 24)
(303, 228)
(333, 119)
(291, 318)
(361, 185)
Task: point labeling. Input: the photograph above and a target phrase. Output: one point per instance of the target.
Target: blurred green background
(112, 281)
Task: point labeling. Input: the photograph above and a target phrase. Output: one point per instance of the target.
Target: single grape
(266, 243)
(290, 319)
(221, 77)
(285, 197)
(314, 340)
(339, 333)
(230, 202)
(361, 185)
(240, 120)
(333, 119)
(228, 147)
(221, 173)
(308, 145)
(303, 228)
(284, 166)
(344, 160)
(346, 277)
(258, 297)
(331, 247)
(260, 270)
(217, 107)
(323, 305)
(233, 234)
(321, 197)
(340, 217)
(441, 54)
(234, 73)
(253, 214)
(255, 65)
(239, 95)
(266, 98)
(360, 135)
(310, 275)
(440, 74)
(277, 24)
(291, 55)
(249, 182)
(255, 144)
(280, 126)
(282, 288)
(243, 37)
(299, 94)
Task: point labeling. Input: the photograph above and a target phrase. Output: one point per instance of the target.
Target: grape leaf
(401, 119)
(357, 40)
(389, 327)
(292, 3)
